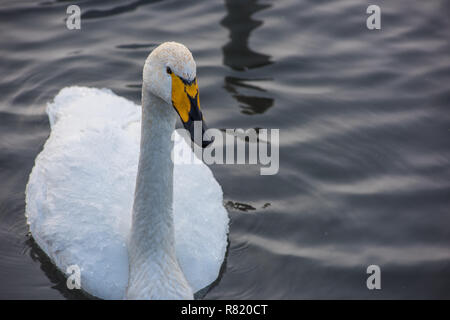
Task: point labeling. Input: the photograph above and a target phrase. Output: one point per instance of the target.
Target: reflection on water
(236, 53)
(249, 104)
(238, 56)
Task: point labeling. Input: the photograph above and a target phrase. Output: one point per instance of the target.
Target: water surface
(364, 134)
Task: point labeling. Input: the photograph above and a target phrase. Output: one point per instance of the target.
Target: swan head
(170, 74)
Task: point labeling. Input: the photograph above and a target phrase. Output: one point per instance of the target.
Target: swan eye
(168, 70)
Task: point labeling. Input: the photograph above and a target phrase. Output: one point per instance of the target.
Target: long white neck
(154, 269)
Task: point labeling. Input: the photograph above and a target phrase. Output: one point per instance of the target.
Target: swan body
(105, 195)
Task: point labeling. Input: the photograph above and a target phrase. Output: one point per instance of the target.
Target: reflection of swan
(250, 104)
(236, 53)
(239, 57)
(80, 203)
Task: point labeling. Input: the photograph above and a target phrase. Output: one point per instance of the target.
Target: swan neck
(151, 247)
(154, 182)
(154, 271)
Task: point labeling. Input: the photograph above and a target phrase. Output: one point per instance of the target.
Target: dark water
(364, 127)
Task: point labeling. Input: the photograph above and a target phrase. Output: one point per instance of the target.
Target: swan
(105, 196)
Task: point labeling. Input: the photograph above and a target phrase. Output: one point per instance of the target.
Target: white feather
(80, 194)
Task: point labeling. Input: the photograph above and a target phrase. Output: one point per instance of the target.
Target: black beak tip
(206, 143)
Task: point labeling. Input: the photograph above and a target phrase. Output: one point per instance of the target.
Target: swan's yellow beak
(186, 101)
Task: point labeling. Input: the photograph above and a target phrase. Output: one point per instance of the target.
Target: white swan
(106, 196)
